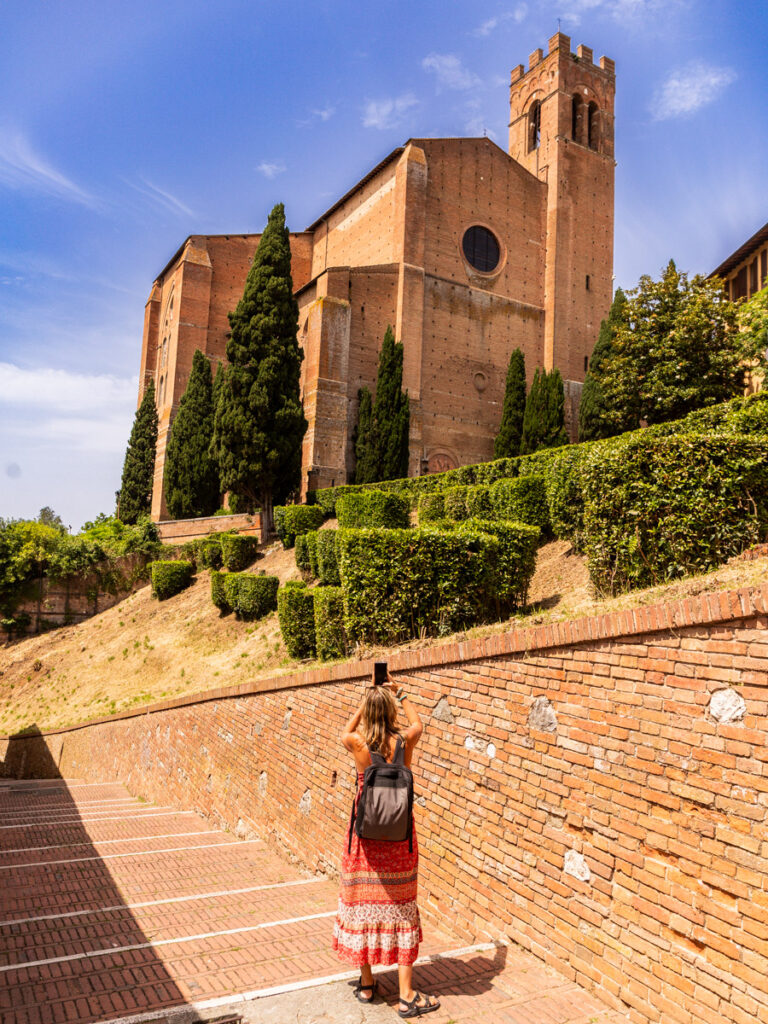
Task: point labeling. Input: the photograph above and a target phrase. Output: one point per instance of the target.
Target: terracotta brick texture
(594, 790)
(390, 252)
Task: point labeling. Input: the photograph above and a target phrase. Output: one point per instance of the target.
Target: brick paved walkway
(112, 908)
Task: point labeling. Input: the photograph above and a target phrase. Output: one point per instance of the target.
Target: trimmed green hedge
(431, 507)
(296, 520)
(516, 562)
(373, 508)
(479, 504)
(331, 636)
(400, 583)
(296, 612)
(327, 562)
(209, 553)
(657, 508)
(522, 500)
(455, 503)
(278, 519)
(169, 578)
(219, 591)
(306, 553)
(250, 597)
(238, 551)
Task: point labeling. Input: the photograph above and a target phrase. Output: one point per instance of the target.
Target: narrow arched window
(576, 118)
(160, 393)
(593, 126)
(534, 125)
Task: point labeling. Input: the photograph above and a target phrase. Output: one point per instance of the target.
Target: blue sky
(126, 126)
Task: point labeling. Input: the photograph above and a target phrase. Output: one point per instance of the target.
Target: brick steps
(138, 928)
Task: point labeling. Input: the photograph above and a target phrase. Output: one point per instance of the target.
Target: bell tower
(561, 130)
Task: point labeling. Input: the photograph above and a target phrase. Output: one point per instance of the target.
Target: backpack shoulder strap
(399, 755)
(376, 757)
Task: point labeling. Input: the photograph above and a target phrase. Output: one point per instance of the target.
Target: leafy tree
(135, 495)
(364, 463)
(507, 443)
(544, 418)
(382, 446)
(595, 420)
(48, 517)
(677, 350)
(191, 474)
(752, 318)
(259, 422)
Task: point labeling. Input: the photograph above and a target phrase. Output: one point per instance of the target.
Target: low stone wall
(596, 791)
(51, 603)
(177, 531)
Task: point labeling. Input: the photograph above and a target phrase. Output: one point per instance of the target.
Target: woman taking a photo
(378, 917)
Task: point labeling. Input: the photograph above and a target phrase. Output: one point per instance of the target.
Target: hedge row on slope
(658, 508)
(250, 597)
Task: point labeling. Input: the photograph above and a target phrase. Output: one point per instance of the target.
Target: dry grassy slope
(142, 650)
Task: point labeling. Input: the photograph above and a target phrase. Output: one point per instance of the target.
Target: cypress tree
(544, 419)
(507, 443)
(259, 422)
(135, 494)
(595, 420)
(364, 470)
(191, 474)
(382, 447)
(391, 411)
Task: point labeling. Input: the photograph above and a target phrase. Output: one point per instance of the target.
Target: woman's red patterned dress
(378, 918)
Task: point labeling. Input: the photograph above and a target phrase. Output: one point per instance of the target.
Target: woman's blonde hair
(379, 718)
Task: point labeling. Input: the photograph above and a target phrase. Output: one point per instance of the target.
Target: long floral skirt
(378, 917)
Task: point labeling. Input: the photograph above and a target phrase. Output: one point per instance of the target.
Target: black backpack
(385, 807)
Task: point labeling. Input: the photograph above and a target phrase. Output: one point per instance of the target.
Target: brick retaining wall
(177, 531)
(581, 790)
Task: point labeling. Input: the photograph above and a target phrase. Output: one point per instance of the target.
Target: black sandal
(414, 1010)
(360, 987)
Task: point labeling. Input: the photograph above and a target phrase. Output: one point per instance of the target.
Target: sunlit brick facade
(466, 250)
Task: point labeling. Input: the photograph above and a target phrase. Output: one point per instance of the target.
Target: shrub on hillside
(455, 502)
(431, 507)
(516, 560)
(657, 508)
(373, 508)
(523, 500)
(398, 583)
(209, 553)
(565, 497)
(219, 591)
(278, 519)
(298, 520)
(479, 505)
(251, 597)
(330, 634)
(238, 551)
(169, 578)
(327, 562)
(301, 554)
(296, 613)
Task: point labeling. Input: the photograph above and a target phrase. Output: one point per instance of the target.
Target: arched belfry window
(534, 125)
(593, 126)
(577, 118)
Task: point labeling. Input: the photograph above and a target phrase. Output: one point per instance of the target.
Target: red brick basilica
(467, 251)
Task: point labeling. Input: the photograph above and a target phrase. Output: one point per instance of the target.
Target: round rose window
(481, 249)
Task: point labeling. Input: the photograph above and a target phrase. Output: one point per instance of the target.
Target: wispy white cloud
(450, 71)
(491, 24)
(689, 88)
(388, 112)
(65, 410)
(63, 391)
(25, 170)
(161, 197)
(271, 169)
(317, 114)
